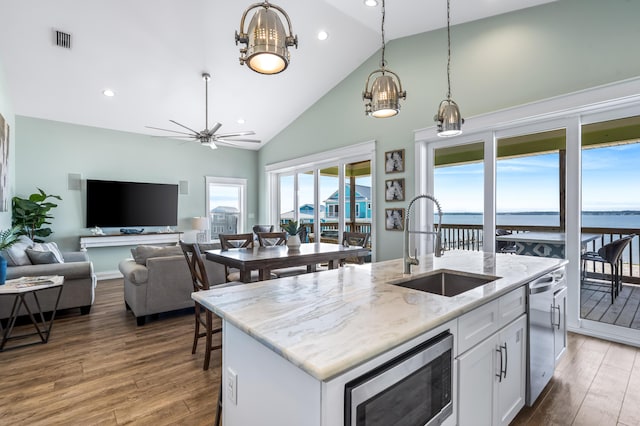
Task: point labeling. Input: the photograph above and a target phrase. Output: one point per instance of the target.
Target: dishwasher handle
(542, 284)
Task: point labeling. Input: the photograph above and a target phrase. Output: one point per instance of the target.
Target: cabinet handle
(506, 359)
(559, 316)
(499, 375)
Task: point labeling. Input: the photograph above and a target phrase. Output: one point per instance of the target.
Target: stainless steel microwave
(413, 389)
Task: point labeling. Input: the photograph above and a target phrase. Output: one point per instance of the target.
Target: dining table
(266, 259)
(546, 244)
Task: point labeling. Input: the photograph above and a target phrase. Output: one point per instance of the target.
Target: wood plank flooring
(595, 304)
(102, 369)
(596, 383)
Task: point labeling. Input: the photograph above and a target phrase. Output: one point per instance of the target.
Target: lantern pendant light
(384, 94)
(448, 117)
(266, 42)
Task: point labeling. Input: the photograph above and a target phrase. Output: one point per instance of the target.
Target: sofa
(157, 280)
(75, 267)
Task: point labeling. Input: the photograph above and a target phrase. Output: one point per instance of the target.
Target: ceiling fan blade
(233, 135)
(215, 128)
(193, 138)
(238, 140)
(182, 125)
(167, 130)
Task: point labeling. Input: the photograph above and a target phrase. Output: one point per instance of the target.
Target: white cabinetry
(492, 373)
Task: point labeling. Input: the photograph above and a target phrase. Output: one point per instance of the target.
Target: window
(226, 205)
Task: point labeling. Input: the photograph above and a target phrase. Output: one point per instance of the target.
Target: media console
(118, 240)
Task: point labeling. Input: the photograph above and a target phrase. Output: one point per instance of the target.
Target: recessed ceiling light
(240, 120)
(108, 92)
(323, 35)
(371, 3)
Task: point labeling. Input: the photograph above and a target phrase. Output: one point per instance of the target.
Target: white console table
(118, 240)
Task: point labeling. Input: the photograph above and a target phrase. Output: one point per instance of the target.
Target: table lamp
(200, 224)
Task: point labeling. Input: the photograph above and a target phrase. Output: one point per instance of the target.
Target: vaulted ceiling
(152, 54)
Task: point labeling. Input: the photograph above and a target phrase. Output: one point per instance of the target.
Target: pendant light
(266, 42)
(384, 95)
(448, 117)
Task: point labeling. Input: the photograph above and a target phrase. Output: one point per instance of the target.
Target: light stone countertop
(329, 322)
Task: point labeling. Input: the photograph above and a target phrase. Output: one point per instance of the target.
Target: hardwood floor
(596, 383)
(102, 369)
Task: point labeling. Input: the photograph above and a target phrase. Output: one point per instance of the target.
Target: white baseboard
(108, 275)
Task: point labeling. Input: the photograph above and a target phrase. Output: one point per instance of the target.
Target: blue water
(630, 219)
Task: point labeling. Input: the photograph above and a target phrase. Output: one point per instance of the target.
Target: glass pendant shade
(266, 40)
(449, 119)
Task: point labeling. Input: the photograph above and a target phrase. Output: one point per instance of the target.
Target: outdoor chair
(505, 246)
(612, 254)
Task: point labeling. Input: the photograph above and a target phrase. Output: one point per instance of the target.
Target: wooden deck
(595, 304)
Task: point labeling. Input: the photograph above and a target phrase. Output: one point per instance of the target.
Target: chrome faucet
(438, 251)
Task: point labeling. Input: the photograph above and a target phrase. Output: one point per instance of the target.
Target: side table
(19, 288)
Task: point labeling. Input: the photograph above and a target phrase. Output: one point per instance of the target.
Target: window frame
(241, 184)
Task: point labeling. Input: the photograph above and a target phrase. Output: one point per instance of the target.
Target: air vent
(62, 39)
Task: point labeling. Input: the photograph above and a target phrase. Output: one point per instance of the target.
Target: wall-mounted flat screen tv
(131, 204)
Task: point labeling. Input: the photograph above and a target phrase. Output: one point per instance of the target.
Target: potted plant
(31, 214)
(8, 237)
(292, 228)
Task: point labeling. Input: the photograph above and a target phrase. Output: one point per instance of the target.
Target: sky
(610, 181)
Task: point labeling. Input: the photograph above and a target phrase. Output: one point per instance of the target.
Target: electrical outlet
(232, 386)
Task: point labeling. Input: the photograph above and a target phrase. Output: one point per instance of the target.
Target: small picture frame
(394, 161)
(394, 219)
(394, 190)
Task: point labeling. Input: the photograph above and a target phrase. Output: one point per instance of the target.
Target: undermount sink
(446, 283)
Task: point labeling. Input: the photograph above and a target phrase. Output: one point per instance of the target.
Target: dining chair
(231, 241)
(355, 239)
(203, 316)
(611, 254)
(269, 239)
(505, 246)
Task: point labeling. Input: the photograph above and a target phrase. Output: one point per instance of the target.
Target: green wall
(497, 63)
(6, 109)
(47, 151)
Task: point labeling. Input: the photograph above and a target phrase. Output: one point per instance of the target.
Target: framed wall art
(394, 219)
(394, 190)
(394, 161)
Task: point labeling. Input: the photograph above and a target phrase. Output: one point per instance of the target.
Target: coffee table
(19, 289)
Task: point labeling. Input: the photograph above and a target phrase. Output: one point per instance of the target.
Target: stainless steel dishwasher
(545, 319)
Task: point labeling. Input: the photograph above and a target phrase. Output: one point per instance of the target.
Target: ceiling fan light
(449, 119)
(266, 40)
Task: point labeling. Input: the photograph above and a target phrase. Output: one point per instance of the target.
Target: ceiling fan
(208, 137)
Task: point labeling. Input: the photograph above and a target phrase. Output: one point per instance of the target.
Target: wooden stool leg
(209, 339)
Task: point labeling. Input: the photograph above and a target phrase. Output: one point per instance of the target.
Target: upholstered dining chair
(610, 253)
(203, 316)
(505, 246)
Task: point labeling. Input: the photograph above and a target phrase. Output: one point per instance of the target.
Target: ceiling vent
(62, 39)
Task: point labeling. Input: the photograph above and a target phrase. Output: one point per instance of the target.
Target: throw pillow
(51, 247)
(39, 257)
(142, 253)
(16, 255)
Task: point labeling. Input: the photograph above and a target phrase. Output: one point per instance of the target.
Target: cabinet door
(560, 323)
(476, 376)
(512, 341)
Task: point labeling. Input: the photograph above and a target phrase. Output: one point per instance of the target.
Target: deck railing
(470, 237)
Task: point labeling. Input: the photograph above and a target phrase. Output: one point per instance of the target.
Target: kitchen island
(318, 330)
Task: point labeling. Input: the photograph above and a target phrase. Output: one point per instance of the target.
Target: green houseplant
(292, 228)
(8, 237)
(31, 214)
